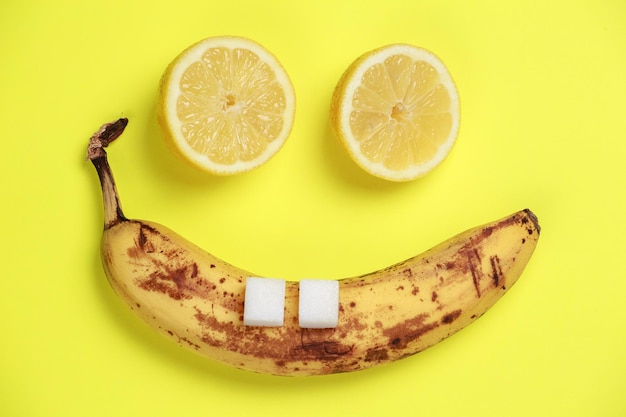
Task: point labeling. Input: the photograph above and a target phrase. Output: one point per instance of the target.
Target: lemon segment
(396, 111)
(226, 105)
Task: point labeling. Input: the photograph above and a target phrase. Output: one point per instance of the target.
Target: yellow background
(542, 87)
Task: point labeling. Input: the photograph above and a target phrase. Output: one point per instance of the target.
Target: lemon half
(396, 111)
(226, 105)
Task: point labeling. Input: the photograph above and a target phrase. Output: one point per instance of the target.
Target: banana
(197, 299)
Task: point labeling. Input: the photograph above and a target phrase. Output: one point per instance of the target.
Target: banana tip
(533, 218)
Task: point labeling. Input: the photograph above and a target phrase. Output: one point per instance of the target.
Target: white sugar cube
(319, 303)
(264, 302)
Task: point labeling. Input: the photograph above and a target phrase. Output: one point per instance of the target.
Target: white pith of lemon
(226, 105)
(396, 111)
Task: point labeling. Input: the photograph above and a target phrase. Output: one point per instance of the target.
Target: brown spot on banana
(286, 346)
(450, 317)
(475, 273)
(401, 334)
(376, 355)
(318, 343)
(169, 270)
(497, 276)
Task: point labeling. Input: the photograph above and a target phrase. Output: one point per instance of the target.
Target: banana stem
(97, 155)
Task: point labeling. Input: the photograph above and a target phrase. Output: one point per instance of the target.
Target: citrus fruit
(226, 105)
(396, 111)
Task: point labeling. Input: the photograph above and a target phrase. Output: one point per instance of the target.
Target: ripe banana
(198, 300)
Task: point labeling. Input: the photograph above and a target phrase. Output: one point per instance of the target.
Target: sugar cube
(319, 303)
(264, 302)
